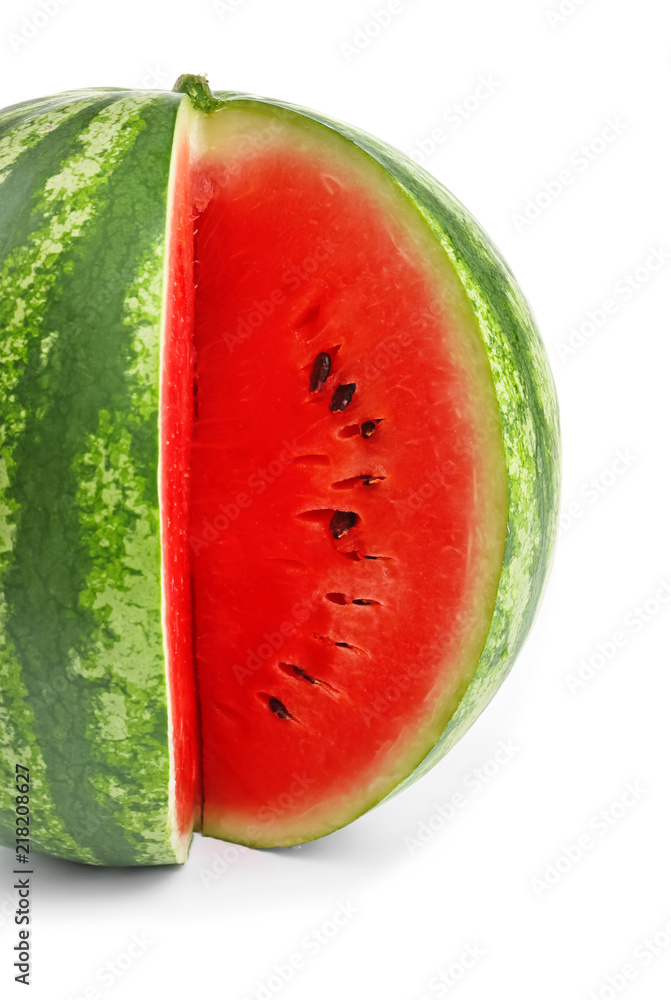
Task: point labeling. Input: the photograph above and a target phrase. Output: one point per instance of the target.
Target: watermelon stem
(197, 88)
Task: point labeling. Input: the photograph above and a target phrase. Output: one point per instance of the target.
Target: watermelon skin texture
(529, 414)
(83, 202)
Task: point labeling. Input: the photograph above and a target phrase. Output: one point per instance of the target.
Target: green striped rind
(83, 202)
(528, 409)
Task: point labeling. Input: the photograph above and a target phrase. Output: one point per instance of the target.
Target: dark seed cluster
(341, 521)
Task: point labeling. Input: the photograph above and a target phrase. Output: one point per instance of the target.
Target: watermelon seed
(321, 369)
(343, 599)
(304, 675)
(342, 522)
(368, 428)
(342, 397)
(348, 484)
(276, 706)
(345, 645)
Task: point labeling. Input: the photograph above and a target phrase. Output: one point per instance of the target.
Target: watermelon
(279, 475)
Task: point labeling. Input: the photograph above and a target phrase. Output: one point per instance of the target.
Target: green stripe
(15, 113)
(81, 303)
(18, 745)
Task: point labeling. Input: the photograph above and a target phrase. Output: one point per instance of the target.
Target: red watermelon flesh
(176, 427)
(347, 508)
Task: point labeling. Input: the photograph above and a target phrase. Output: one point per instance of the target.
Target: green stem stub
(198, 90)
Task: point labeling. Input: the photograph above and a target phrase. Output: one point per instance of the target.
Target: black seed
(342, 397)
(368, 428)
(341, 522)
(276, 706)
(321, 369)
(301, 673)
(360, 600)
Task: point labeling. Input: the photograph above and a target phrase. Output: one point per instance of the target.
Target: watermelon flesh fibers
(347, 494)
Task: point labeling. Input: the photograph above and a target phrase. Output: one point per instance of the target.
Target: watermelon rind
(83, 204)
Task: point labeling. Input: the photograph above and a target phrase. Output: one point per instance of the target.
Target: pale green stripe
(26, 135)
(123, 590)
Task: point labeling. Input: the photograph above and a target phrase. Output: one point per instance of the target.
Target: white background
(219, 926)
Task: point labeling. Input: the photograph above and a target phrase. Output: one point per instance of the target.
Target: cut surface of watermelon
(348, 494)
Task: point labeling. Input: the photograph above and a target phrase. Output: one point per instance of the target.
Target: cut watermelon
(344, 580)
(356, 445)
